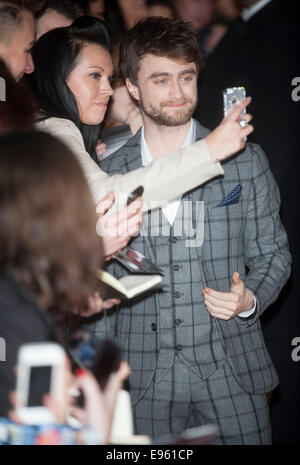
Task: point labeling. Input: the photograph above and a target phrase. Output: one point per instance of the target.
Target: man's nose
(176, 91)
(29, 68)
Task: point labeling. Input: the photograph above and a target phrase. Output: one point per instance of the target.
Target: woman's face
(90, 83)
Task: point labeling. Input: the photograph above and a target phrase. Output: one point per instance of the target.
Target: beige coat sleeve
(164, 179)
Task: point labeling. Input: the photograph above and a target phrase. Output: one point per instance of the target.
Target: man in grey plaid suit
(196, 348)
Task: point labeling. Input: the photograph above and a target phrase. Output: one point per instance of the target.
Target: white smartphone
(41, 370)
(232, 96)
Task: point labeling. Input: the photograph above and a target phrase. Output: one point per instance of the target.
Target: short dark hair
(11, 13)
(67, 8)
(170, 38)
(55, 55)
(47, 221)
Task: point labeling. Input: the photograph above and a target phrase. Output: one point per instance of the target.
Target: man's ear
(133, 90)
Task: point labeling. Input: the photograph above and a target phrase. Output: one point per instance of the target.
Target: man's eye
(187, 78)
(161, 81)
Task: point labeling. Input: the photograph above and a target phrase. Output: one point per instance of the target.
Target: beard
(162, 118)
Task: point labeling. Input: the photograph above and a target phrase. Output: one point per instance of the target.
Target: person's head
(160, 60)
(72, 76)
(198, 12)
(132, 11)
(17, 36)
(56, 13)
(227, 11)
(47, 221)
(97, 8)
(162, 8)
(16, 106)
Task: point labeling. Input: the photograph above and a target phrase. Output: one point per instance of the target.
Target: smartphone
(101, 358)
(82, 348)
(138, 192)
(107, 361)
(232, 96)
(41, 370)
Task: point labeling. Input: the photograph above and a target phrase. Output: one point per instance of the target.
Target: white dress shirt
(171, 209)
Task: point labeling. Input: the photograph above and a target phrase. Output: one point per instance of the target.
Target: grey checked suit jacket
(247, 237)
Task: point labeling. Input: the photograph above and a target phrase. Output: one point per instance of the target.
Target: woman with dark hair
(49, 248)
(72, 82)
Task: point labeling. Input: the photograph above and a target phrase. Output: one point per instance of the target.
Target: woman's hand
(117, 229)
(228, 137)
(114, 385)
(99, 405)
(95, 305)
(95, 412)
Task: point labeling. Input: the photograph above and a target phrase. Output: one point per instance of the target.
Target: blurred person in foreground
(196, 349)
(49, 247)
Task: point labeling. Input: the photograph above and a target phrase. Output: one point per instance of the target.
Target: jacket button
(175, 267)
(177, 295)
(179, 347)
(178, 322)
(173, 240)
(153, 326)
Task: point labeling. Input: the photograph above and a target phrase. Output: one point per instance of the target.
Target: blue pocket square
(233, 196)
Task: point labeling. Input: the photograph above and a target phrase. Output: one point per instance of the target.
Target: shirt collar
(189, 139)
(247, 13)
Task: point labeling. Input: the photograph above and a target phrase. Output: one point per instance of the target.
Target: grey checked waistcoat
(184, 325)
(176, 316)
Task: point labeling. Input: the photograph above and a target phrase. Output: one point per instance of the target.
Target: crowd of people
(195, 351)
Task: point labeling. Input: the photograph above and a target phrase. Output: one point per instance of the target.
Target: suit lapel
(202, 193)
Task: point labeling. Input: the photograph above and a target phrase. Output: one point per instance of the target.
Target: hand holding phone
(232, 96)
(41, 370)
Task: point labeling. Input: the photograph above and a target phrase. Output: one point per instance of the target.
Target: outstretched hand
(228, 137)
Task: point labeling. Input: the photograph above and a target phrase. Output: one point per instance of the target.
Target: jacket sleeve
(164, 179)
(265, 240)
